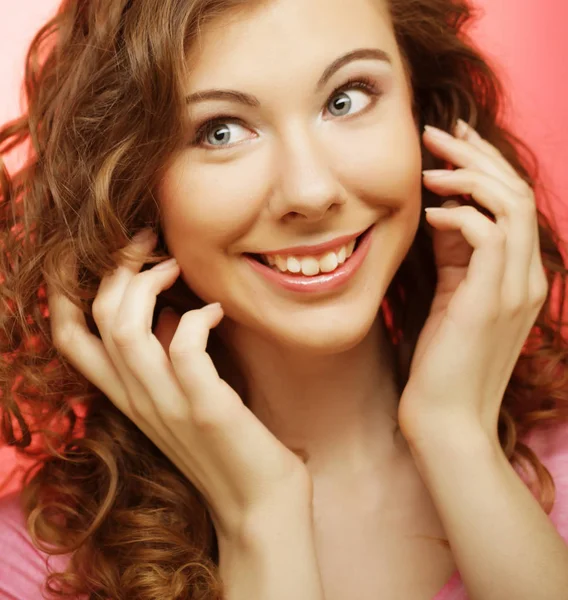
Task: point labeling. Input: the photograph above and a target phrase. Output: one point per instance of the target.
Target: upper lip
(315, 249)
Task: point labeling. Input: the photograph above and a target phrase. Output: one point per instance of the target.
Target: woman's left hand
(491, 287)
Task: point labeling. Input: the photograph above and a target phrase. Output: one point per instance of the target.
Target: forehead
(281, 37)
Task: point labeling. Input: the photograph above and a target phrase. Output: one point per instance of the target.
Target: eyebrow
(250, 100)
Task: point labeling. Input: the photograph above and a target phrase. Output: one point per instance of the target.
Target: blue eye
(219, 133)
(345, 101)
(355, 93)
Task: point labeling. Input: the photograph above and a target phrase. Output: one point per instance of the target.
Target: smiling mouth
(310, 266)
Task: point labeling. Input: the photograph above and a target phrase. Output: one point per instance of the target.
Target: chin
(323, 331)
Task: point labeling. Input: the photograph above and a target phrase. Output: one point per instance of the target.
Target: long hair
(103, 84)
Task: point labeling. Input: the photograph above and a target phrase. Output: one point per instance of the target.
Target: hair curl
(104, 94)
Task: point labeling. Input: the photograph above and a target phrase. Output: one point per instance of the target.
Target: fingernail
(143, 236)
(168, 310)
(167, 264)
(437, 173)
(450, 204)
(469, 132)
(213, 306)
(462, 129)
(438, 133)
(440, 209)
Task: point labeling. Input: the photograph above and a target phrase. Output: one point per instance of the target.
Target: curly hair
(103, 84)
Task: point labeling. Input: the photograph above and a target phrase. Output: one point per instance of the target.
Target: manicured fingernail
(167, 264)
(437, 173)
(441, 209)
(143, 236)
(438, 133)
(462, 129)
(212, 306)
(450, 204)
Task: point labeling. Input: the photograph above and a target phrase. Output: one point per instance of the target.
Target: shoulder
(23, 568)
(550, 444)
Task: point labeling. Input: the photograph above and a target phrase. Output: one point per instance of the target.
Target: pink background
(526, 39)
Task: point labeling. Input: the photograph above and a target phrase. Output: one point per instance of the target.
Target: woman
(340, 381)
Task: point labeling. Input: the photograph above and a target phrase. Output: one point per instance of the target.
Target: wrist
(273, 543)
(290, 499)
(451, 439)
(269, 521)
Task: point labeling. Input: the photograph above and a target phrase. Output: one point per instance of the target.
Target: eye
(352, 97)
(221, 132)
(224, 131)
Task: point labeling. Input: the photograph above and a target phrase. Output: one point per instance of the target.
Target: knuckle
(100, 310)
(528, 208)
(496, 237)
(63, 337)
(124, 335)
(493, 314)
(207, 418)
(537, 302)
(539, 297)
(515, 306)
(179, 349)
(174, 412)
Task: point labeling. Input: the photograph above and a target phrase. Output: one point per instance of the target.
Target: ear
(165, 329)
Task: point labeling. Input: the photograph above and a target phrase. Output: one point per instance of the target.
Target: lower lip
(318, 283)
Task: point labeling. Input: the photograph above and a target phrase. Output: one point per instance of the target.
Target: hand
(491, 287)
(166, 383)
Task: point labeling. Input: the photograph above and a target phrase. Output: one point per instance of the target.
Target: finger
(538, 282)
(113, 325)
(131, 260)
(113, 285)
(191, 362)
(482, 284)
(464, 154)
(501, 200)
(466, 132)
(84, 350)
(139, 357)
(515, 217)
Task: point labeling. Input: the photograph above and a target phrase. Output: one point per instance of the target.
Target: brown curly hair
(103, 84)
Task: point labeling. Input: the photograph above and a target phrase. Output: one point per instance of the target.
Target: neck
(341, 408)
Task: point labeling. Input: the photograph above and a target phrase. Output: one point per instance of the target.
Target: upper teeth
(312, 265)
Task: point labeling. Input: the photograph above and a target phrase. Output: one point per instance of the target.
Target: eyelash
(362, 83)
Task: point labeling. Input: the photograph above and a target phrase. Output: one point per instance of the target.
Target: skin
(319, 367)
(294, 172)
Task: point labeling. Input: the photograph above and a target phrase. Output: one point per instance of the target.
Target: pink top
(23, 569)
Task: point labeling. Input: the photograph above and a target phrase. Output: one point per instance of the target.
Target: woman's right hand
(166, 383)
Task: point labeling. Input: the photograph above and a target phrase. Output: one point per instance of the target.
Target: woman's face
(315, 141)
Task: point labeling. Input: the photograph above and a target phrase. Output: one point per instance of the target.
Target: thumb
(168, 321)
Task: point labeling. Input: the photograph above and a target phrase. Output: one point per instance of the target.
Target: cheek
(209, 205)
(383, 162)
(206, 208)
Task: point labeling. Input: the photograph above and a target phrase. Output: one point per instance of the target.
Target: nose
(307, 186)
